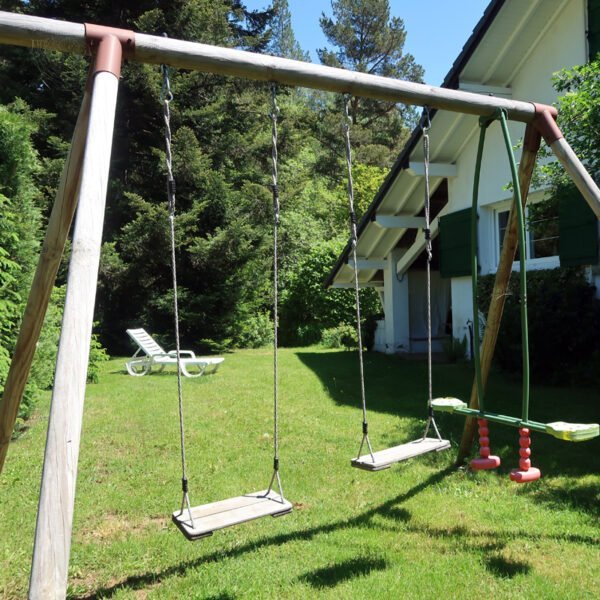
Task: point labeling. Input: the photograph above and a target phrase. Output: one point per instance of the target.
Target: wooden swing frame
(84, 182)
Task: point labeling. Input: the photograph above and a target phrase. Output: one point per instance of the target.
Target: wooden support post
(59, 224)
(507, 257)
(578, 174)
(57, 497)
(52, 34)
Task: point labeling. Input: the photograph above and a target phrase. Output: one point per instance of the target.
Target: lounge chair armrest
(182, 353)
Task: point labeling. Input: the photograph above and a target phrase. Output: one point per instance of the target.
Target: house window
(541, 235)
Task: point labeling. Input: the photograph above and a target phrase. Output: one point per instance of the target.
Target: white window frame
(533, 264)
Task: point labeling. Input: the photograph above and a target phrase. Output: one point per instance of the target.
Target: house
(513, 52)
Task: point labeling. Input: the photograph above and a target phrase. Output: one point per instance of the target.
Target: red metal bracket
(545, 122)
(110, 45)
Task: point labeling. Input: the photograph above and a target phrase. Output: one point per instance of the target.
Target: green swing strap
(484, 123)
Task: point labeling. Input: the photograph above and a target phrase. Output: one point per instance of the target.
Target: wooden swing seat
(225, 513)
(386, 458)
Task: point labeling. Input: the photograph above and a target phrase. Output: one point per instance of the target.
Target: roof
(402, 163)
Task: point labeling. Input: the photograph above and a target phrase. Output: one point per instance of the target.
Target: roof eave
(450, 81)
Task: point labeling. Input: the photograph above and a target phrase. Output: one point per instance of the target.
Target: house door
(440, 310)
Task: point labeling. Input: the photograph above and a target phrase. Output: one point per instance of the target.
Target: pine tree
(368, 40)
(283, 41)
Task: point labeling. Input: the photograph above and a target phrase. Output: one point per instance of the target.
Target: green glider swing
(571, 432)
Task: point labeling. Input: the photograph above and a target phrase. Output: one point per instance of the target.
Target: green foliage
(455, 349)
(579, 111)
(283, 41)
(19, 234)
(222, 165)
(42, 369)
(342, 336)
(98, 355)
(255, 331)
(308, 307)
(367, 39)
(579, 120)
(367, 179)
(564, 326)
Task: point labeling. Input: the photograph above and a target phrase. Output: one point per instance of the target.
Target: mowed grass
(421, 529)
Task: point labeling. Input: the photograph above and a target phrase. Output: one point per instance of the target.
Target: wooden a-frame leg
(53, 246)
(57, 497)
(507, 257)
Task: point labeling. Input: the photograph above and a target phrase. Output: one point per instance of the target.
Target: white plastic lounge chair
(155, 356)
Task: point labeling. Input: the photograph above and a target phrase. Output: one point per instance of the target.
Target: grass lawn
(421, 529)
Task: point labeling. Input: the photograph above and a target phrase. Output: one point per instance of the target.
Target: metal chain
(274, 174)
(354, 241)
(425, 127)
(167, 97)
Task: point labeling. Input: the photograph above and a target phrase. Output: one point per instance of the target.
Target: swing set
(201, 521)
(83, 185)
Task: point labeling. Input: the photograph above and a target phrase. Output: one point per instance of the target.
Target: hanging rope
(354, 242)
(167, 97)
(274, 116)
(425, 127)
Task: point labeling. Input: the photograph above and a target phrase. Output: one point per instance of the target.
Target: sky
(436, 29)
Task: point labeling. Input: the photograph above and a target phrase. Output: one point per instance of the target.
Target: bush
(342, 336)
(308, 308)
(455, 349)
(98, 355)
(255, 331)
(564, 326)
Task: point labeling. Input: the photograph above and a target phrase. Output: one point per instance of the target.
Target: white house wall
(563, 44)
(528, 41)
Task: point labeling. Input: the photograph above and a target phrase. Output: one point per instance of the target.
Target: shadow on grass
(392, 385)
(398, 386)
(580, 495)
(349, 569)
(466, 539)
(506, 568)
(388, 510)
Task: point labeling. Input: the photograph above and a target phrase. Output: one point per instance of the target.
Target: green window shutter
(455, 244)
(578, 230)
(594, 27)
